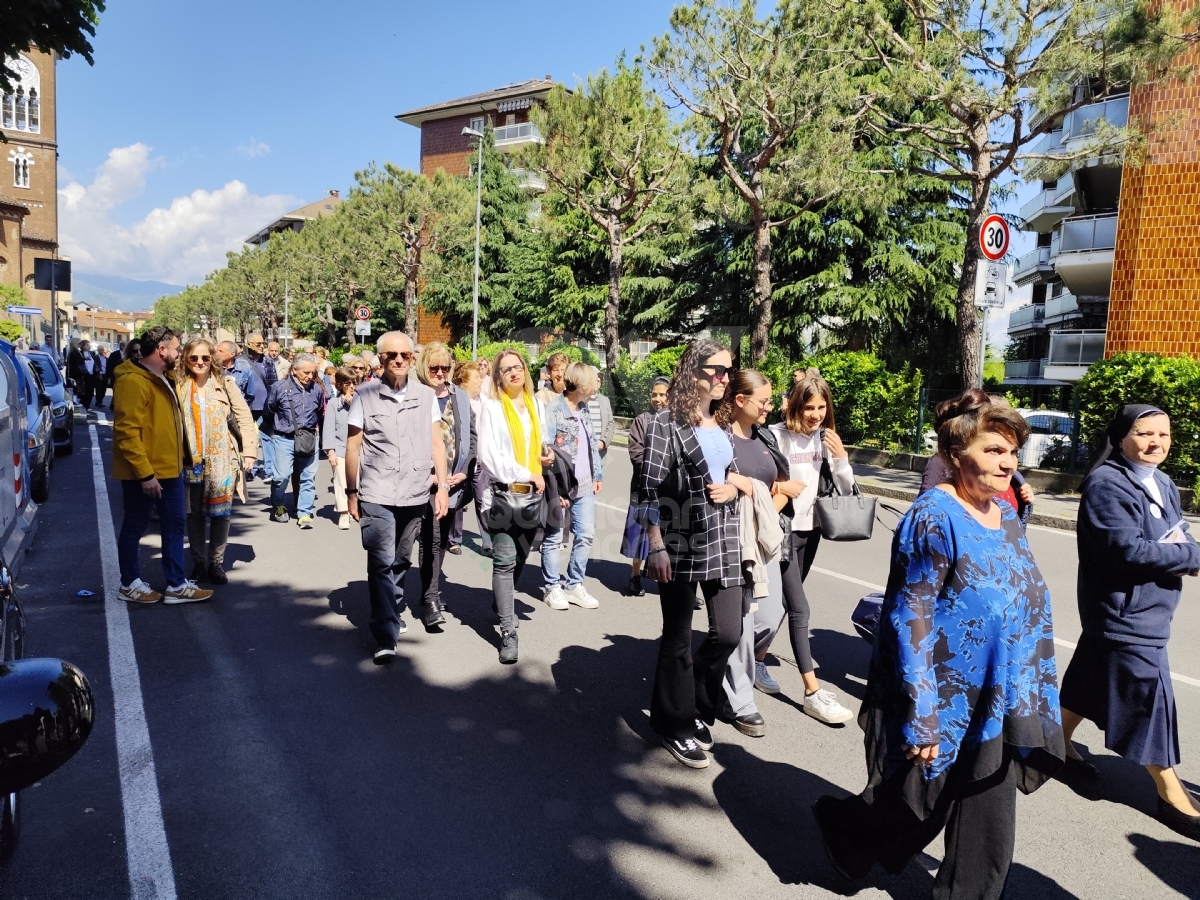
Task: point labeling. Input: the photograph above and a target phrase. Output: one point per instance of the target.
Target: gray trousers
(758, 630)
(388, 535)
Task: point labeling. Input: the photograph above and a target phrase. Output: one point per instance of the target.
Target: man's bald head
(395, 340)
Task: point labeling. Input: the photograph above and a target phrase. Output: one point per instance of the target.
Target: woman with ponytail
(690, 515)
(512, 456)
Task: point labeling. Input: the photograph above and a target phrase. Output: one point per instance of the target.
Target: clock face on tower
(24, 68)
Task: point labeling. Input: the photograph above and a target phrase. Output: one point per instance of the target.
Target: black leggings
(794, 571)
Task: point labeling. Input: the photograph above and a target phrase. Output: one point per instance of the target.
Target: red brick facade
(444, 146)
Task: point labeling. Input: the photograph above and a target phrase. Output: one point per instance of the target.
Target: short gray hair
(307, 358)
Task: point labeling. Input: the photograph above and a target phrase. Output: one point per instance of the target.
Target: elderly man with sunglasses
(393, 446)
(262, 378)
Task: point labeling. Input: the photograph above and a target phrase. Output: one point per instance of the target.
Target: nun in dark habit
(1134, 550)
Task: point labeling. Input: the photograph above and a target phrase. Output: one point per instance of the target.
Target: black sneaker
(687, 752)
(635, 587)
(703, 735)
(508, 648)
(385, 656)
(280, 514)
(841, 849)
(199, 571)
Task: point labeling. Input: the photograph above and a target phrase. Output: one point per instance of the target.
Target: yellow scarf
(527, 455)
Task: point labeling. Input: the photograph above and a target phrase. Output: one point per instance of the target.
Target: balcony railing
(1025, 316)
(1061, 306)
(1085, 120)
(1024, 368)
(533, 181)
(524, 133)
(1039, 256)
(1084, 233)
(1075, 348)
(1050, 142)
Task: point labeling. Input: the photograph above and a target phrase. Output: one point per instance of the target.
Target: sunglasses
(389, 355)
(439, 370)
(256, 344)
(195, 358)
(717, 372)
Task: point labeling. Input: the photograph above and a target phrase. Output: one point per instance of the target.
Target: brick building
(1117, 262)
(29, 185)
(444, 146)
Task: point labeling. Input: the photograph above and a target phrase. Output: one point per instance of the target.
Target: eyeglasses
(515, 367)
(439, 370)
(390, 355)
(256, 344)
(762, 404)
(717, 373)
(195, 358)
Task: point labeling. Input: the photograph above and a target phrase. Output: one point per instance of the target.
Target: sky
(199, 123)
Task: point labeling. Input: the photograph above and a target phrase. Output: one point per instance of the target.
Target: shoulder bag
(841, 518)
(305, 438)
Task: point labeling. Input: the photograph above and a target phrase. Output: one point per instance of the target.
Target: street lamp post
(471, 132)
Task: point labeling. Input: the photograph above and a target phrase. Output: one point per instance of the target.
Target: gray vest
(395, 462)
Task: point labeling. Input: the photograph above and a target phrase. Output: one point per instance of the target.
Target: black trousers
(687, 688)
(435, 538)
(794, 571)
(388, 535)
(980, 822)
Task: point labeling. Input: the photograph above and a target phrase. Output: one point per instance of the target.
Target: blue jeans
(583, 530)
(285, 462)
(266, 467)
(136, 520)
(388, 536)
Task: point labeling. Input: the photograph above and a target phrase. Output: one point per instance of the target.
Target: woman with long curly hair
(689, 513)
(220, 455)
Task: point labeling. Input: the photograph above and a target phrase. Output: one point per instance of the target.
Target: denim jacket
(561, 429)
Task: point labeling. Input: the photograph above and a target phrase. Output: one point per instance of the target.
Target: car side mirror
(46, 715)
(45, 398)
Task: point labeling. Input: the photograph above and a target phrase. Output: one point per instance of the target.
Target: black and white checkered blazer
(701, 537)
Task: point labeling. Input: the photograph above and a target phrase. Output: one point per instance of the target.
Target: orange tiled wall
(1155, 300)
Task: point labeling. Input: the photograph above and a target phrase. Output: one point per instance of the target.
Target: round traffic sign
(994, 237)
(363, 314)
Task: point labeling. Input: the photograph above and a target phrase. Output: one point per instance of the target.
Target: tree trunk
(968, 315)
(612, 336)
(760, 325)
(410, 305)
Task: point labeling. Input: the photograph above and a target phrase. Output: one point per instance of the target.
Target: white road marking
(151, 876)
(1194, 682)
(621, 509)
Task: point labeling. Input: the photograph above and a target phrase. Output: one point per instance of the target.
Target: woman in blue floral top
(962, 704)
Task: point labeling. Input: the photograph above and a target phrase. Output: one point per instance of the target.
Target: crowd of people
(962, 707)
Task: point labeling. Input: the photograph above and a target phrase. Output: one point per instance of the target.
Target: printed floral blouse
(964, 657)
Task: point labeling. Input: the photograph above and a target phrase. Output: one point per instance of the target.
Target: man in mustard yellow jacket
(149, 456)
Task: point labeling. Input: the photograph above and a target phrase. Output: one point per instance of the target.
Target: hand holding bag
(841, 517)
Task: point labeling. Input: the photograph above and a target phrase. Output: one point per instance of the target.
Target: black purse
(838, 517)
(517, 505)
(305, 439)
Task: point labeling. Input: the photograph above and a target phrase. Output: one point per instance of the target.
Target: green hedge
(873, 407)
(629, 382)
(575, 354)
(1172, 383)
(462, 353)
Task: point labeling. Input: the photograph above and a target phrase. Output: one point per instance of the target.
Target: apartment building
(1117, 261)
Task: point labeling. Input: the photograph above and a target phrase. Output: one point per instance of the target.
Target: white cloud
(253, 148)
(179, 244)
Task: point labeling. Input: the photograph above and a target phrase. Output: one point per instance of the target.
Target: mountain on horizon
(115, 292)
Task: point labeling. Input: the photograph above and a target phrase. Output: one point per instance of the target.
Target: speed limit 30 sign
(363, 314)
(994, 238)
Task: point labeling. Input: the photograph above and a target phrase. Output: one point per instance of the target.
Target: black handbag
(841, 518)
(517, 505)
(866, 616)
(305, 439)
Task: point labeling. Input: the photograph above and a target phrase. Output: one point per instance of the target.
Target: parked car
(62, 402)
(40, 430)
(1049, 435)
(18, 514)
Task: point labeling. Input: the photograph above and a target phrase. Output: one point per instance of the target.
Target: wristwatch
(444, 486)
(351, 491)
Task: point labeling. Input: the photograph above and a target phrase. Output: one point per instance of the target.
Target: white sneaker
(554, 597)
(139, 592)
(580, 597)
(344, 521)
(823, 707)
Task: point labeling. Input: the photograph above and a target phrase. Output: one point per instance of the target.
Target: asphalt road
(287, 765)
